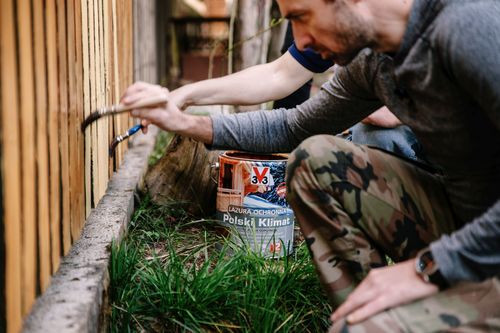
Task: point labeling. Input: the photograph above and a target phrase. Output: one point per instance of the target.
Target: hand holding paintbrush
(165, 115)
(120, 108)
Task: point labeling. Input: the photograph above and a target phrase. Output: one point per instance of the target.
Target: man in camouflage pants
(354, 205)
(435, 64)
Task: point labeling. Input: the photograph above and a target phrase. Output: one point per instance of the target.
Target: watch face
(426, 264)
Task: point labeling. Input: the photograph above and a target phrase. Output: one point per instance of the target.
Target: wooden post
(53, 109)
(11, 167)
(42, 145)
(252, 19)
(28, 144)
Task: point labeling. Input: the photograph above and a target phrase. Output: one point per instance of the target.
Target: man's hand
(382, 118)
(384, 288)
(164, 116)
(167, 116)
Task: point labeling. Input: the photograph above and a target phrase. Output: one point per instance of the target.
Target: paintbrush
(131, 131)
(119, 108)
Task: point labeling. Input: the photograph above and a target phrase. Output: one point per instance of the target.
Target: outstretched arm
(254, 85)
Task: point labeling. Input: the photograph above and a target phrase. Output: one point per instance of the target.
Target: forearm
(197, 127)
(473, 252)
(253, 85)
(258, 131)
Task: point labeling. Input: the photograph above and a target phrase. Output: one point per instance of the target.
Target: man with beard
(435, 64)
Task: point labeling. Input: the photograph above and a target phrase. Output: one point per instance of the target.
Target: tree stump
(185, 174)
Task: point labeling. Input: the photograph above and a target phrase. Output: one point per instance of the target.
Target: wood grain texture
(11, 166)
(64, 139)
(59, 60)
(42, 145)
(28, 145)
(53, 109)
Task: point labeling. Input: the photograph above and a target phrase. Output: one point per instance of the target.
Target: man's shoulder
(463, 13)
(465, 24)
(363, 70)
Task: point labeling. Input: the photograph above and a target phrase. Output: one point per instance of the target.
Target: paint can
(251, 202)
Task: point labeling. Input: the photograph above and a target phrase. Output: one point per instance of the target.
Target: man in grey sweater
(436, 65)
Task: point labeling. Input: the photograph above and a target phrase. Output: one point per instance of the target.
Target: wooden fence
(59, 59)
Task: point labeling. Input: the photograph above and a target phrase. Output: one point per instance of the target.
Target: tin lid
(244, 156)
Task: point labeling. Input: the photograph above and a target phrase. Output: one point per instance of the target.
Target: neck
(390, 19)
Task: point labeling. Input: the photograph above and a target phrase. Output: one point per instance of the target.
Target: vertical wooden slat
(27, 105)
(108, 71)
(42, 144)
(11, 168)
(87, 102)
(99, 140)
(103, 137)
(127, 54)
(93, 102)
(63, 124)
(121, 22)
(81, 172)
(72, 121)
(55, 226)
(74, 97)
(116, 77)
(111, 71)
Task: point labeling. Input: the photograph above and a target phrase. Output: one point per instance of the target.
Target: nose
(303, 40)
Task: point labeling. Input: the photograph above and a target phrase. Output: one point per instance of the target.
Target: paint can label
(251, 201)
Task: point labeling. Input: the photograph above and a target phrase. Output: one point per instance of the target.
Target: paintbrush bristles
(90, 119)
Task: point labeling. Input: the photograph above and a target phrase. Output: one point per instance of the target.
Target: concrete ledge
(75, 299)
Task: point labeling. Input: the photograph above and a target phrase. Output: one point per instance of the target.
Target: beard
(345, 58)
(352, 33)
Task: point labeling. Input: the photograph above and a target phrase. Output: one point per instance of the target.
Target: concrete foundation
(77, 296)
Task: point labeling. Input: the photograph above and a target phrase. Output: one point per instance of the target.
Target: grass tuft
(175, 274)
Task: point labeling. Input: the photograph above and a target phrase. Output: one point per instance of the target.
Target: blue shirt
(310, 59)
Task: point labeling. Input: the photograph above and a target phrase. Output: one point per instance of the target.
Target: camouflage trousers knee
(356, 205)
(468, 307)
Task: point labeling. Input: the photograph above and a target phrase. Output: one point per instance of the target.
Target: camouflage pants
(469, 307)
(355, 205)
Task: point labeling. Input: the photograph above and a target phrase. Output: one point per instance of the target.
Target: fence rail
(59, 59)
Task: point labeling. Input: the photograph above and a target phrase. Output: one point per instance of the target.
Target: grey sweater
(444, 83)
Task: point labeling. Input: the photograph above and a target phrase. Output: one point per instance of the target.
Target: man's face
(332, 28)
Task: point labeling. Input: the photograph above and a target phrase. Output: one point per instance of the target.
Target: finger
(143, 94)
(361, 295)
(145, 123)
(133, 88)
(152, 115)
(367, 310)
(140, 88)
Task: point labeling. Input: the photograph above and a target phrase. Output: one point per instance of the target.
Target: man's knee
(325, 159)
(314, 153)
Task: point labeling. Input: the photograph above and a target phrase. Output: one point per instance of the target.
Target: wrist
(428, 269)
(180, 97)
(196, 126)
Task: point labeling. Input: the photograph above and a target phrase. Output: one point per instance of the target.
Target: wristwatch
(428, 269)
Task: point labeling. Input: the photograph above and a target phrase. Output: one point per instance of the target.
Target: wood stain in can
(251, 201)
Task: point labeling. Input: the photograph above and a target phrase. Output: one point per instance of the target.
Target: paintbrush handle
(119, 108)
(142, 103)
